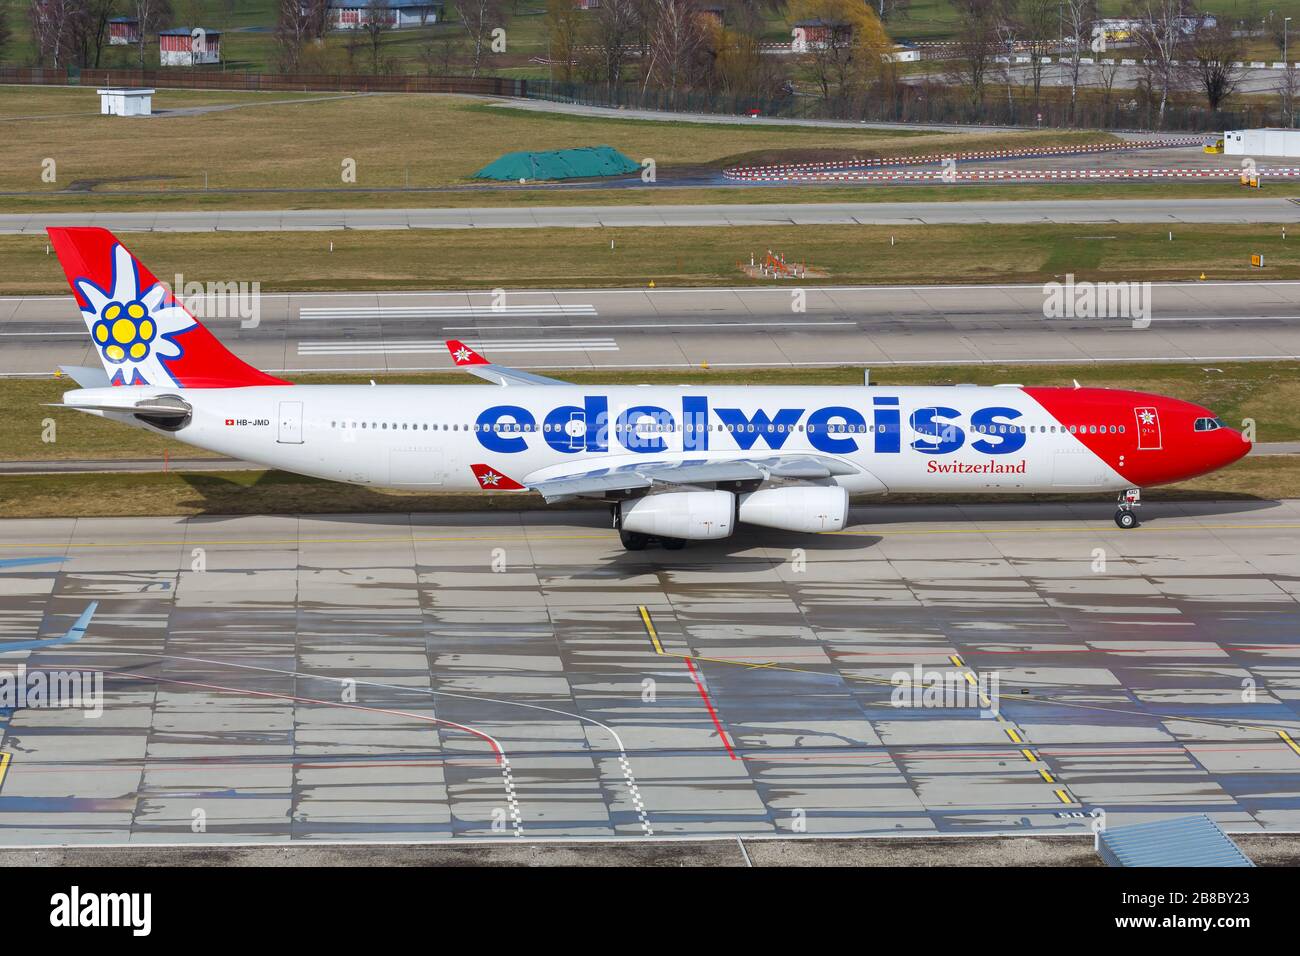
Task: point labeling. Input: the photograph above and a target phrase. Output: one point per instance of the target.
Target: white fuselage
(945, 438)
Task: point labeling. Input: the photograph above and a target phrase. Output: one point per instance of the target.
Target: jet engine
(686, 515)
(798, 508)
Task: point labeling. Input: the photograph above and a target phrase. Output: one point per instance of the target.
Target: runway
(681, 328)
(491, 676)
(1017, 212)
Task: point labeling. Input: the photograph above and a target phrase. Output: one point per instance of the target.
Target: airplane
(674, 463)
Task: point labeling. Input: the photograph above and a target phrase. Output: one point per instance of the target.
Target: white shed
(119, 101)
(1262, 142)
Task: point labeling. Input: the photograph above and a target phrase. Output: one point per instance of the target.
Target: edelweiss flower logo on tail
(133, 328)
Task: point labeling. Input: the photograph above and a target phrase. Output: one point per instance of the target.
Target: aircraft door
(290, 430)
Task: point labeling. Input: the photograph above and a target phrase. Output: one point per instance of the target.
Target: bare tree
(977, 44)
(1211, 53)
(56, 26)
(1079, 16)
(436, 54)
(617, 28)
(563, 29)
(1286, 93)
(376, 25)
(887, 9)
(1036, 23)
(6, 34)
(94, 30)
(1107, 72)
(480, 18)
(1159, 32)
(677, 41)
(150, 16)
(294, 28)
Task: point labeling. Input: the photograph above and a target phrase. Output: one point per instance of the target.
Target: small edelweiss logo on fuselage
(134, 328)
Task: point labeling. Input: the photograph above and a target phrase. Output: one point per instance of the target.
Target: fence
(932, 103)
(283, 82)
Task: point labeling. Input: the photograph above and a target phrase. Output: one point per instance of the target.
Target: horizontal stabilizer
(86, 377)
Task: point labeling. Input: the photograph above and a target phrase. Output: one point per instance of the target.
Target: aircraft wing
(469, 360)
(637, 476)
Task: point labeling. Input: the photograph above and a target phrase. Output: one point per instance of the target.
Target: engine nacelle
(805, 508)
(693, 515)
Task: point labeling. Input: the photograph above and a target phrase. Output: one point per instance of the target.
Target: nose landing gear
(1125, 516)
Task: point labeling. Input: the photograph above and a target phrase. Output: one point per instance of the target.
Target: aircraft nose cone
(1234, 447)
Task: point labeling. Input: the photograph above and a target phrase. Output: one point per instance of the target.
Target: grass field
(394, 139)
(1267, 392)
(687, 256)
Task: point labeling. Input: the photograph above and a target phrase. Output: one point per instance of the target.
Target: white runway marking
(418, 346)
(446, 312)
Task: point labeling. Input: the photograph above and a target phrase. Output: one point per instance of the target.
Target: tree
(563, 29)
(677, 43)
(1079, 16)
(850, 50)
(377, 24)
(1036, 23)
(976, 43)
(1211, 53)
(887, 9)
(1158, 33)
(617, 26)
(480, 18)
(94, 30)
(736, 65)
(151, 16)
(1286, 92)
(5, 33)
(294, 29)
(56, 27)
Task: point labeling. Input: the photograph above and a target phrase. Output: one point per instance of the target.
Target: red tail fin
(143, 335)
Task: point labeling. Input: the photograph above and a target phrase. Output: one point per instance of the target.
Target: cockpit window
(1207, 424)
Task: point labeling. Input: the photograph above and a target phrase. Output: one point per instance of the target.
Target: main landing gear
(1125, 516)
(635, 541)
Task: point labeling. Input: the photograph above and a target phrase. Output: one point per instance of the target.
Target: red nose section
(1148, 439)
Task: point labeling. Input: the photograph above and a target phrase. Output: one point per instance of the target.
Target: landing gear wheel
(633, 540)
(1126, 519)
(673, 544)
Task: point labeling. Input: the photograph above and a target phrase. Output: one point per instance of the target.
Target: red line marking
(704, 694)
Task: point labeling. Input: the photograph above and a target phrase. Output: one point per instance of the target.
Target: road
(492, 676)
(613, 329)
(1009, 212)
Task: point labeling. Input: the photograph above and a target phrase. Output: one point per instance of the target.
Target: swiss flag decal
(1148, 426)
(230, 421)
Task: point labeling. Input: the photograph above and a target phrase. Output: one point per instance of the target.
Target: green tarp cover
(559, 164)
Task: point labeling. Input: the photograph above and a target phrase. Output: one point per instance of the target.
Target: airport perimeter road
(681, 328)
(1173, 211)
(524, 668)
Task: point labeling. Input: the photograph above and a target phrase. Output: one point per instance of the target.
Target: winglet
(462, 354)
(490, 478)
